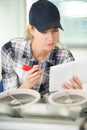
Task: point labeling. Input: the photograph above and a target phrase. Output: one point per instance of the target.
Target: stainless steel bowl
(19, 97)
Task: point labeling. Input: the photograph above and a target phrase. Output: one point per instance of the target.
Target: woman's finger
(76, 82)
(67, 86)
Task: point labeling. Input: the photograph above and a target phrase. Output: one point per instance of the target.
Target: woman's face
(45, 40)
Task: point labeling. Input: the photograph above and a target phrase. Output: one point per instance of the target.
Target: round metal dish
(19, 97)
(68, 98)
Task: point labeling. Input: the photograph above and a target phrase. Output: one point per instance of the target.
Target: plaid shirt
(17, 52)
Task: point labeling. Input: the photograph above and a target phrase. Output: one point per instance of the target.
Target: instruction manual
(64, 72)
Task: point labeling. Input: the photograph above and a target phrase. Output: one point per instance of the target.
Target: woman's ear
(31, 29)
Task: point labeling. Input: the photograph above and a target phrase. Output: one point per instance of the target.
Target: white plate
(19, 97)
(68, 98)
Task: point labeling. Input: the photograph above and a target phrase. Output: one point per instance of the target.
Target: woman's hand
(75, 84)
(32, 78)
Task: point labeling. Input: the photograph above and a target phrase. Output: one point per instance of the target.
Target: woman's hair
(27, 34)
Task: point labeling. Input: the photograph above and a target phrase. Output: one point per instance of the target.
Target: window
(74, 22)
(12, 19)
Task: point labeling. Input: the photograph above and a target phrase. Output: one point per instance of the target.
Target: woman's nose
(50, 36)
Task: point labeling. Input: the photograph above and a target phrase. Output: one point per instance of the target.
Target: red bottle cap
(26, 67)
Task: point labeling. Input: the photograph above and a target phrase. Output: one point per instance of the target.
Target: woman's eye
(55, 30)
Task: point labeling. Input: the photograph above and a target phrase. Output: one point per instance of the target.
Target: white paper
(64, 72)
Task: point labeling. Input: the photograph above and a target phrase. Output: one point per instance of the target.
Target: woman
(38, 50)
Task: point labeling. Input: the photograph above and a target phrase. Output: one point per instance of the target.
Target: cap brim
(46, 26)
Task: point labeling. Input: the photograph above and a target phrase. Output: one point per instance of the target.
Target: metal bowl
(17, 98)
(68, 98)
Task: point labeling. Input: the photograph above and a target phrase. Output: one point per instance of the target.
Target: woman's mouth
(50, 44)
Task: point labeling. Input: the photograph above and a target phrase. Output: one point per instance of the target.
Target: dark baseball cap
(44, 15)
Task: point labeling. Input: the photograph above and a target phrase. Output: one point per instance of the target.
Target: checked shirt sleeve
(9, 77)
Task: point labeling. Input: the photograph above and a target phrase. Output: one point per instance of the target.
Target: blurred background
(14, 20)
